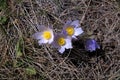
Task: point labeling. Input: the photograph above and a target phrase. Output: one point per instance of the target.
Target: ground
(22, 58)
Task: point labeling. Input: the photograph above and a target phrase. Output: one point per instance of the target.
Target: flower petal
(61, 50)
(78, 31)
(41, 27)
(74, 37)
(68, 22)
(68, 44)
(91, 45)
(37, 35)
(75, 23)
(50, 41)
(55, 42)
(52, 38)
(42, 41)
(55, 45)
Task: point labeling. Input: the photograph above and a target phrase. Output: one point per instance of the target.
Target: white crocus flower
(45, 35)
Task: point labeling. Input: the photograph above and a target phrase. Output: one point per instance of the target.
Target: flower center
(70, 30)
(61, 41)
(47, 35)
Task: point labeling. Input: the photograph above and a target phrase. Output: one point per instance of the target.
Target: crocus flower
(72, 28)
(45, 35)
(91, 45)
(62, 42)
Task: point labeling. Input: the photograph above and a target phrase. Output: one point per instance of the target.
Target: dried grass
(101, 17)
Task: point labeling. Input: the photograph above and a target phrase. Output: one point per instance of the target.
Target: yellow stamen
(47, 35)
(61, 41)
(70, 30)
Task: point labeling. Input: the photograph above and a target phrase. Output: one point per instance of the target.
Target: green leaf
(18, 47)
(3, 19)
(18, 63)
(19, 53)
(30, 71)
(3, 4)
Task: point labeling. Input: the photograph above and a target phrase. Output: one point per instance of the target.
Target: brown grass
(99, 17)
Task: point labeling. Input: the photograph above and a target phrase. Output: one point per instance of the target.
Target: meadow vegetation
(22, 58)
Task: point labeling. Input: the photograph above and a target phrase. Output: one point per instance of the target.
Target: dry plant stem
(87, 6)
(101, 17)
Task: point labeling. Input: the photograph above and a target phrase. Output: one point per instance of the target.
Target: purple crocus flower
(91, 45)
(72, 28)
(62, 42)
